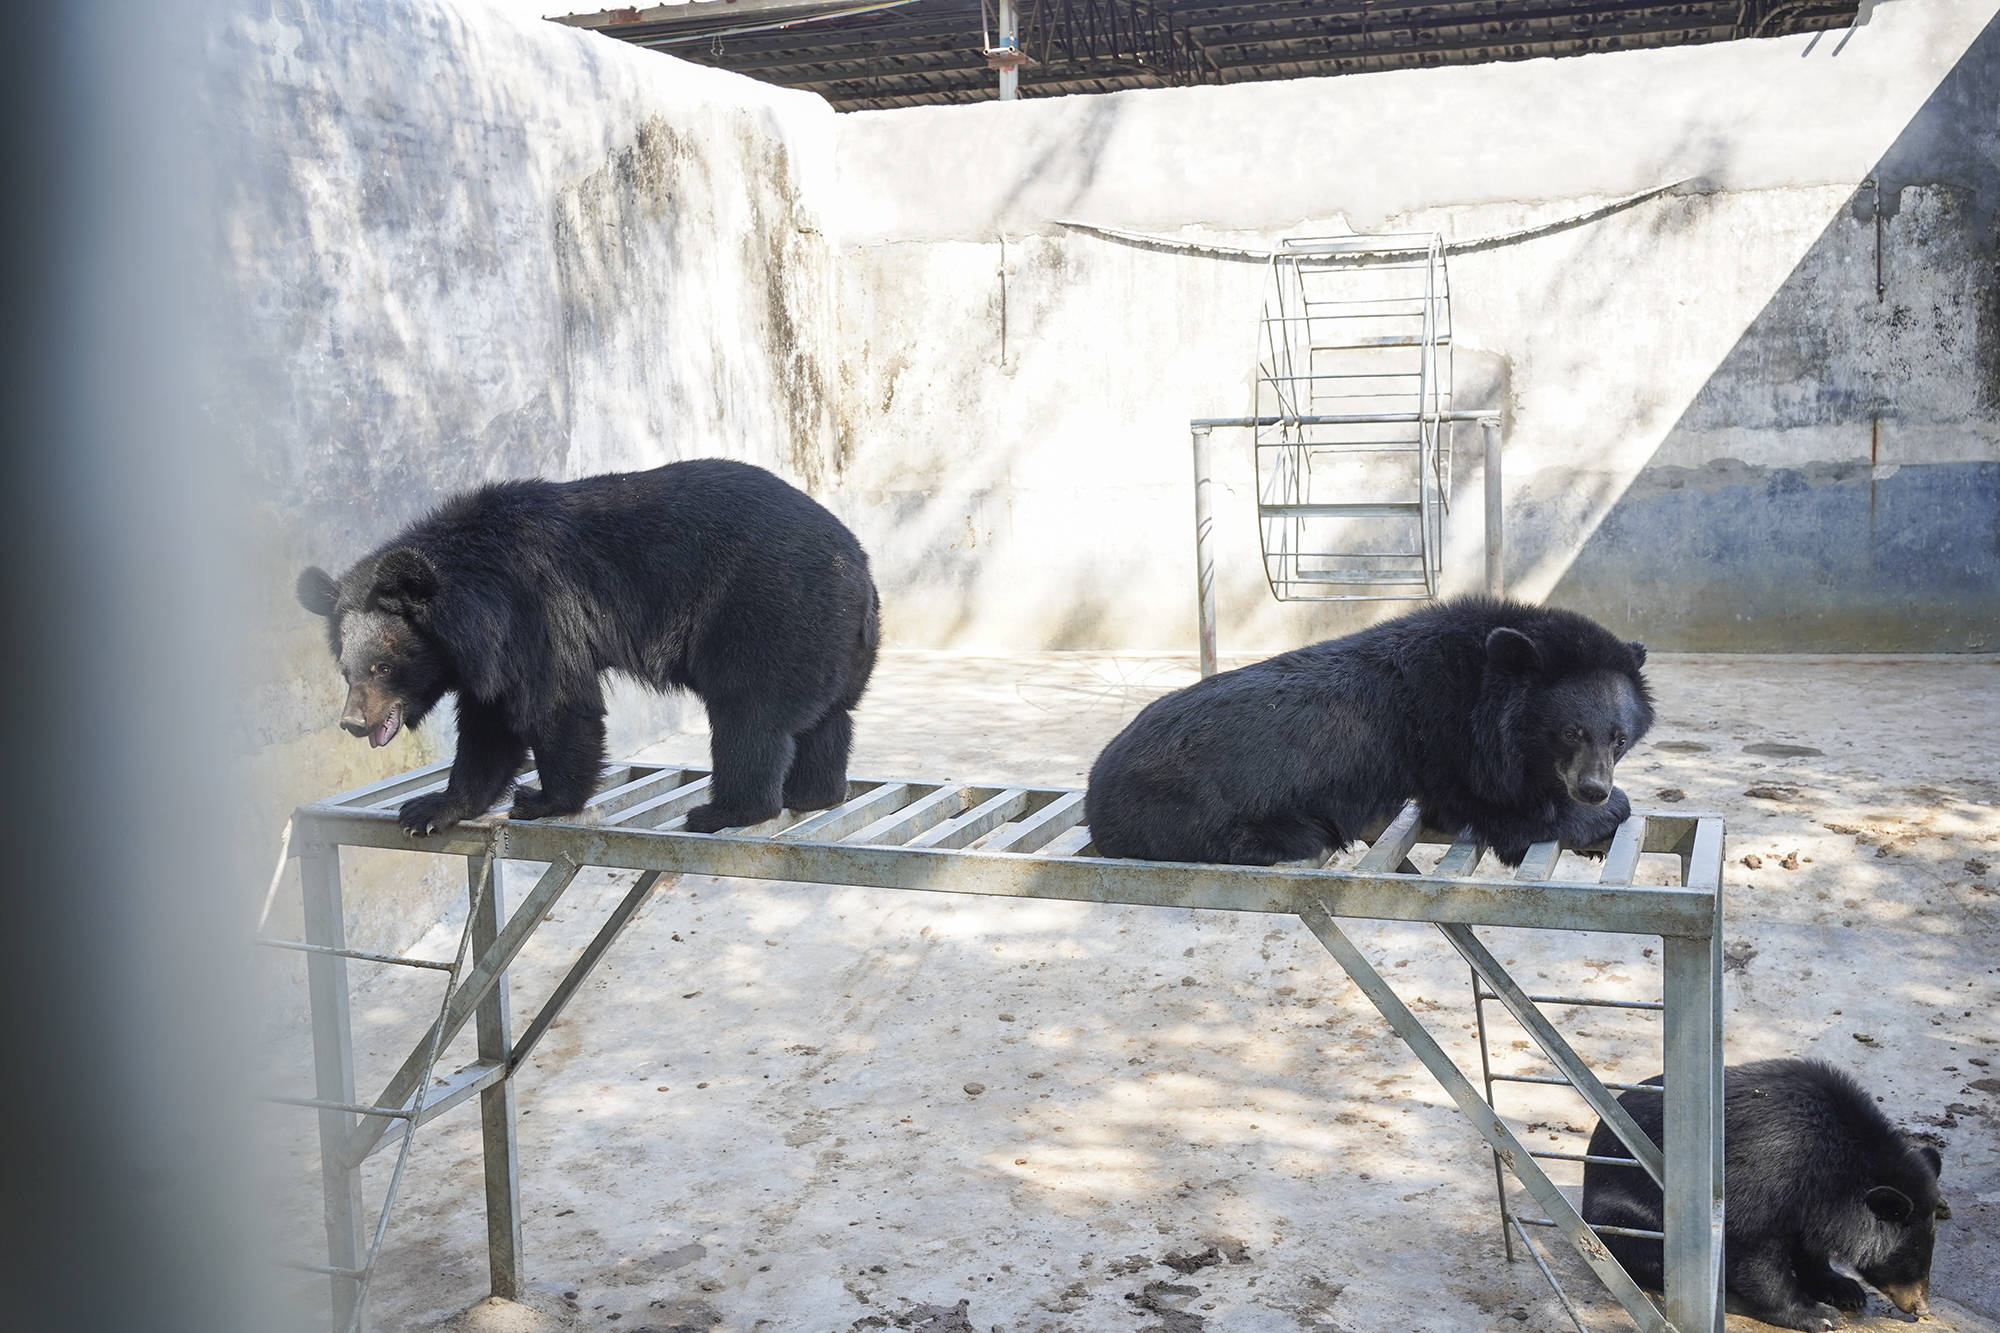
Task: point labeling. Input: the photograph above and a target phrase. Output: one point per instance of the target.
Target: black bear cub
(1813, 1172)
(1502, 720)
(711, 576)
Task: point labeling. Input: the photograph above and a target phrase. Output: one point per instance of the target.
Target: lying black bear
(710, 576)
(1502, 720)
(1812, 1173)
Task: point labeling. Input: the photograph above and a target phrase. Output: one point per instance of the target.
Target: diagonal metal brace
(607, 935)
(1510, 1149)
(478, 984)
(1560, 1053)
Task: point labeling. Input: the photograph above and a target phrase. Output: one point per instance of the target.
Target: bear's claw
(423, 816)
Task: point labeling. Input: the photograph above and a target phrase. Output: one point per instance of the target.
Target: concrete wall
(456, 245)
(453, 245)
(1717, 436)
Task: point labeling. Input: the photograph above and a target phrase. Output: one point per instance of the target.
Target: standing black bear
(1812, 1172)
(1501, 719)
(710, 576)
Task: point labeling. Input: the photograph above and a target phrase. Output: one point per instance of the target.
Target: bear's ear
(1889, 1203)
(1930, 1156)
(317, 592)
(405, 582)
(1511, 650)
(1638, 652)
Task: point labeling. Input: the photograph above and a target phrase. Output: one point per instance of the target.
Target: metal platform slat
(1540, 862)
(1622, 860)
(1392, 849)
(1035, 830)
(392, 797)
(1462, 858)
(913, 820)
(989, 814)
(642, 785)
(1074, 841)
(388, 789)
(651, 813)
(858, 812)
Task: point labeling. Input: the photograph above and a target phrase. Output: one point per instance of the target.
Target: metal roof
(870, 54)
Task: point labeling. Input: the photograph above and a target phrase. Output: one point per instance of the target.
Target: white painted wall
(1042, 494)
(453, 245)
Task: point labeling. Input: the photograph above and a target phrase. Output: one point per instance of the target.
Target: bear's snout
(1911, 1298)
(1592, 793)
(373, 714)
(359, 708)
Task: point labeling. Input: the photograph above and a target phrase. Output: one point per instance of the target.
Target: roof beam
(697, 14)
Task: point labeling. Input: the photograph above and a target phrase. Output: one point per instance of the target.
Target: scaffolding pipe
(1007, 60)
(1202, 429)
(1204, 558)
(1489, 430)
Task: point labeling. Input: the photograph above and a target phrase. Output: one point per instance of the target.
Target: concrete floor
(789, 1107)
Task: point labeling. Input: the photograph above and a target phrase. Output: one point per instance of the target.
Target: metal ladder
(1491, 985)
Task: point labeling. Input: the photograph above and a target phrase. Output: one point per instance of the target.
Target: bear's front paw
(533, 803)
(1511, 854)
(422, 816)
(1842, 1292)
(1815, 1317)
(1590, 825)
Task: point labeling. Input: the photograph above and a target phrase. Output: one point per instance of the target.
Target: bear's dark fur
(710, 576)
(1502, 720)
(1812, 1173)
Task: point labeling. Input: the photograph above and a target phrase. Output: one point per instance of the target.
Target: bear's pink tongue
(385, 733)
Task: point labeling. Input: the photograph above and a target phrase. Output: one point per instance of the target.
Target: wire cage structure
(1354, 417)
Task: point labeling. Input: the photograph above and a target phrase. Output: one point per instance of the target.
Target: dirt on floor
(794, 1107)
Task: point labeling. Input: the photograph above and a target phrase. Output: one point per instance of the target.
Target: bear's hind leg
(750, 757)
(1274, 839)
(569, 759)
(818, 776)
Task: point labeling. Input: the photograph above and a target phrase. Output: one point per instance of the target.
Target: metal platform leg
(496, 1103)
(1692, 967)
(333, 1080)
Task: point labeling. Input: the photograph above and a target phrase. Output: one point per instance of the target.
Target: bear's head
(1582, 704)
(378, 618)
(1894, 1253)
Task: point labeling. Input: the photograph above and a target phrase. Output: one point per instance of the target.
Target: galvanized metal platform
(1016, 841)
